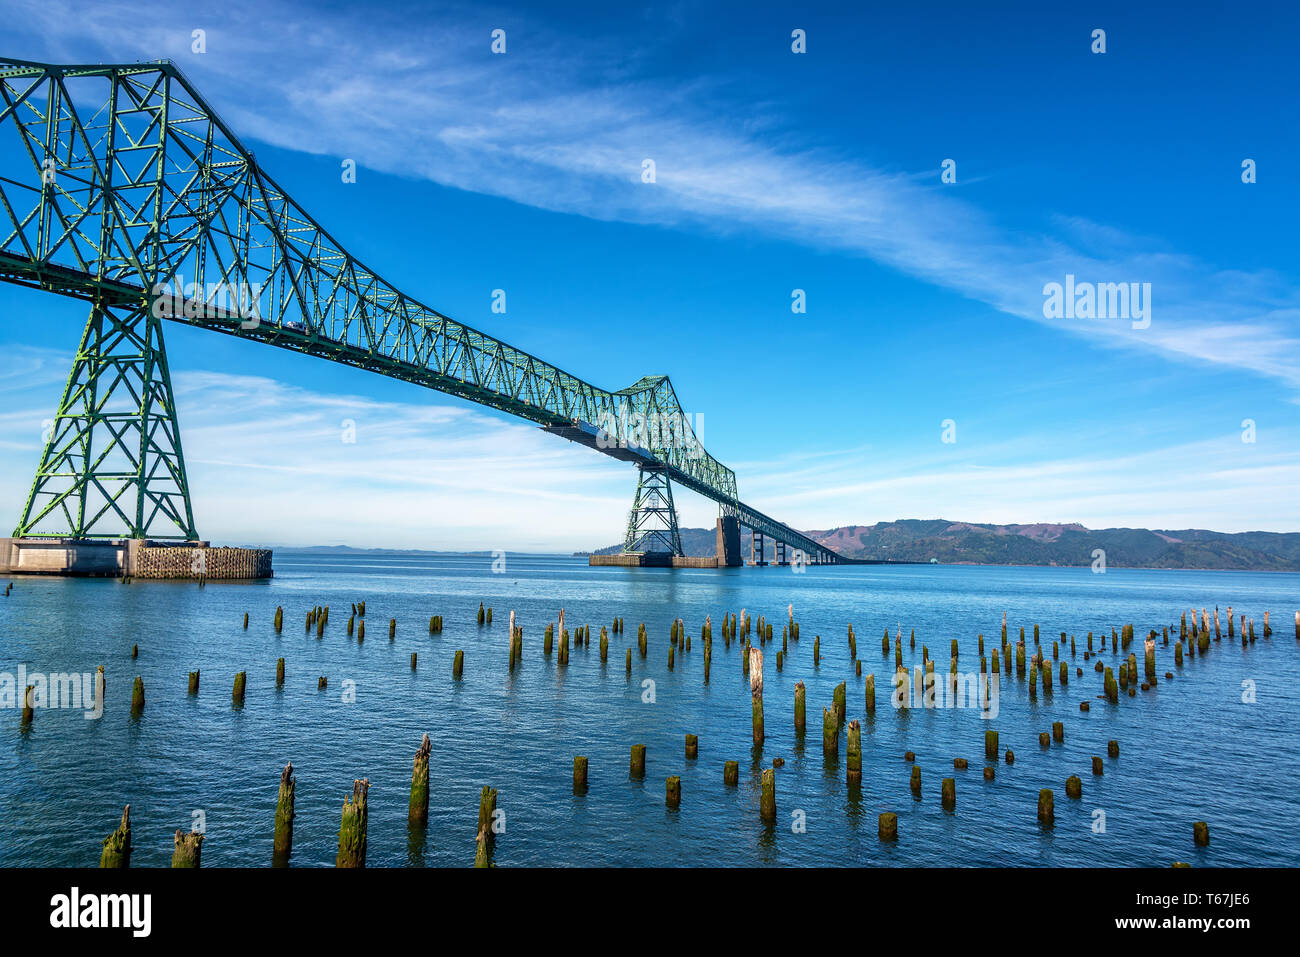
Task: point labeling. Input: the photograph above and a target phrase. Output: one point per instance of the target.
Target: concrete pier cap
(131, 557)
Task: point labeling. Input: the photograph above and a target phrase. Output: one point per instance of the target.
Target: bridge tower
(112, 465)
(652, 526)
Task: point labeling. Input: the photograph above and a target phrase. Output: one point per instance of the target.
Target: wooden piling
(887, 826)
(279, 673)
(800, 708)
(915, 783)
(990, 744)
(756, 691)
(830, 732)
(692, 747)
(284, 812)
(1046, 807)
(482, 615)
(117, 846)
(1201, 833)
(949, 793)
(194, 682)
(731, 774)
(187, 850)
(1112, 748)
(1073, 787)
(1058, 731)
(636, 767)
(458, 664)
(418, 809)
(352, 828)
(767, 802)
(137, 696)
(241, 682)
(485, 836)
(673, 791)
(1097, 767)
(871, 694)
(854, 752)
(580, 774)
(413, 654)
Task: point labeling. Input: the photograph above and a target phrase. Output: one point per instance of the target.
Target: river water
(1218, 743)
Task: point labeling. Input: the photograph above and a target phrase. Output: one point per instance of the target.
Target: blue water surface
(1218, 742)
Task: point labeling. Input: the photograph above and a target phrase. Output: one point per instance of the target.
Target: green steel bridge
(120, 186)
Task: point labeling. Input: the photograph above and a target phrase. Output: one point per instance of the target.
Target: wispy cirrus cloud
(566, 127)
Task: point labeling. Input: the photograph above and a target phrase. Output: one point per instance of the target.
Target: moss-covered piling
(352, 828)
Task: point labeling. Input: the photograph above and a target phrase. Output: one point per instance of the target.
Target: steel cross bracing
(121, 186)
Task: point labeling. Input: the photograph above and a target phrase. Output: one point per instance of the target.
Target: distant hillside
(949, 542)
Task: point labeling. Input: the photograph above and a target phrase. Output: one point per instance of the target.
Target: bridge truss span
(121, 186)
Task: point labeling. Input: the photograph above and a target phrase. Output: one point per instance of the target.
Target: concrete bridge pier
(729, 542)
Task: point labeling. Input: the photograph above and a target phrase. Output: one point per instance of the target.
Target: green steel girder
(126, 188)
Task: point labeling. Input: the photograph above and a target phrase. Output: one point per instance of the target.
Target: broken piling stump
(352, 828)
(418, 809)
(284, 813)
(188, 849)
(117, 846)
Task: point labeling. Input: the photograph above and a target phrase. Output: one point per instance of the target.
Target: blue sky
(775, 171)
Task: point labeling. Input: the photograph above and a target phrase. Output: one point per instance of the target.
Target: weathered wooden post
(636, 768)
(279, 618)
(194, 682)
(188, 849)
(29, 706)
(830, 732)
(580, 774)
(137, 696)
(1097, 767)
(628, 662)
(1058, 731)
(915, 783)
(673, 791)
(840, 700)
(117, 846)
(482, 615)
(458, 664)
(692, 747)
(990, 744)
(1201, 833)
(949, 793)
(887, 826)
(1046, 807)
(485, 836)
(1112, 748)
(800, 708)
(284, 815)
(361, 631)
(1112, 688)
(241, 682)
(1073, 787)
(767, 803)
(731, 774)
(352, 829)
(418, 810)
(854, 751)
(756, 691)
(279, 673)
(413, 654)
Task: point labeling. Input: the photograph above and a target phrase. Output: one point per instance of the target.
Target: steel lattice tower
(112, 466)
(652, 526)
